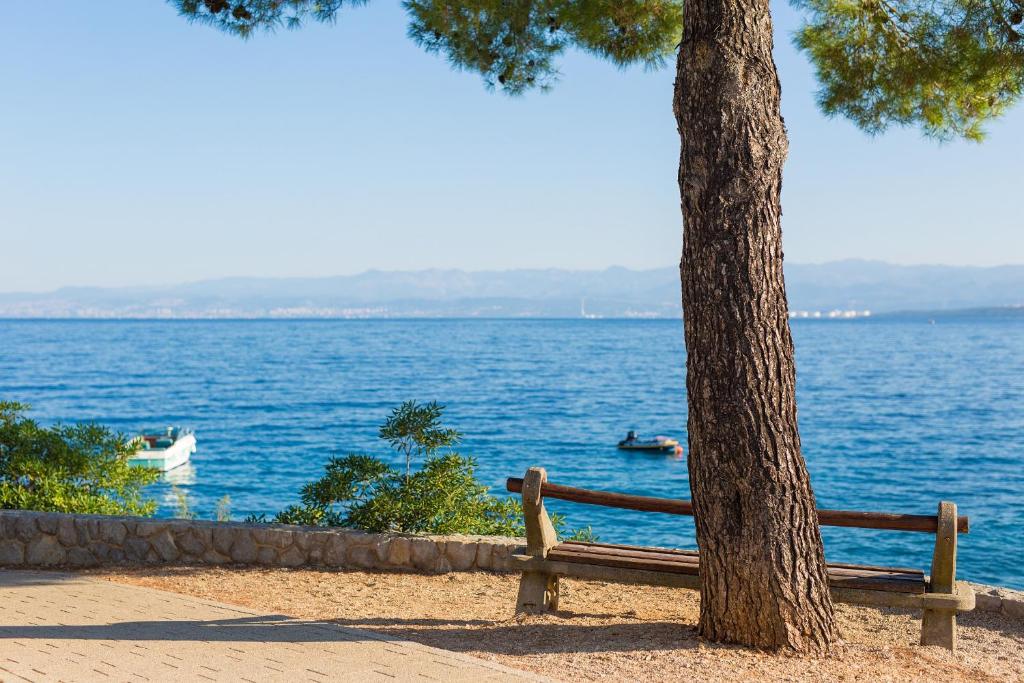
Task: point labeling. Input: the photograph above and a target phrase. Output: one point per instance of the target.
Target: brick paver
(64, 627)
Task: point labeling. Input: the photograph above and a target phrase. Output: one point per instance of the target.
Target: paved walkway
(64, 627)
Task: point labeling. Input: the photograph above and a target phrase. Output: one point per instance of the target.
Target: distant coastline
(987, 312)
(837, 290)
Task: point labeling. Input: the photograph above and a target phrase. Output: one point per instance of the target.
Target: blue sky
(136, 148)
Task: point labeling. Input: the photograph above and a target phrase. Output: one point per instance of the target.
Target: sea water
(896, 413)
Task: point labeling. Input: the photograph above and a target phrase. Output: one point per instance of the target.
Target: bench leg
(939, 625)
(538, 593)
(939, 628)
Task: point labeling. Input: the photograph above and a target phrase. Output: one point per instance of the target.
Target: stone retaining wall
(38, 539)
(41, 539)
(1006, 601)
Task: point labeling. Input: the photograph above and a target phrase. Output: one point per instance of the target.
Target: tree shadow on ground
(467, 636)
(515, 637)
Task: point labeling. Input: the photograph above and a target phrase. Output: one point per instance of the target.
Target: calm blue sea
(896, 413)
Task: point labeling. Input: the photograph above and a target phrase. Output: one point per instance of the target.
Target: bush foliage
(441, 497)
(81, 468)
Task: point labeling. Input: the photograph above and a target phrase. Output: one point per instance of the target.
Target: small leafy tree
(442, 497)
(415, 431)
(79, 468)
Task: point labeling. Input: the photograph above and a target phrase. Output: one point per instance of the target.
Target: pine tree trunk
(763, 577)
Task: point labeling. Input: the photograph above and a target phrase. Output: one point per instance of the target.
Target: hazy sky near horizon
(136, 148)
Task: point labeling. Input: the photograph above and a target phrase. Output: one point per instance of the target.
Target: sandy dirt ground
(602, 632)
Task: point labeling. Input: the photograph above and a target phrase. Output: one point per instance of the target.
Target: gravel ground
(603, 632)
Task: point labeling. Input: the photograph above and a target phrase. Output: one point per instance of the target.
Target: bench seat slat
(626, 555)
(897, 570)
(672, 554)
(669, 551)
(627, 551)
(876, 582)
(625, 562)
(887, 579)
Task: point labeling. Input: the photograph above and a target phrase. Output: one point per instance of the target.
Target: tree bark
(763, 575)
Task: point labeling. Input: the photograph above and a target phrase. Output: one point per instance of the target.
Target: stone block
(335, 551)
(92, 528)
(190, 543)
(136, 548)
(461, 555)
(424, 554)
(149, 527)
(362, 556)
(66, 533)
(483, 555)
(25, 528)
(381, 549)
(47, 522)
(302, 539)
(163, 544)
(223, 538)
(400, 552)
(354, 538)
(12, 552)
(80, 557)
(292, 557)
(100, 550)
(113, 532)
(211, 556)
(317, 539)
(279, 538)
(180, 525)
(244, 548)
(987, 602)
(267, 556)
(313, 540)
(205, 535)
(501, 557)
(1013, 607)
(45, 551)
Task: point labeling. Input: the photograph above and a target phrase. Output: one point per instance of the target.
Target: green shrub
(442, 497)
(79, 468)
(415, 430)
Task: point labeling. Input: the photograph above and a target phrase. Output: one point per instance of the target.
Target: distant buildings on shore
(836, 313)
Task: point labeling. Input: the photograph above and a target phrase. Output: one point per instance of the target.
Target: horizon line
(406, 318)
(416, 271)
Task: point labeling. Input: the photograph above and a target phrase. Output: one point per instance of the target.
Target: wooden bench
(544, 559)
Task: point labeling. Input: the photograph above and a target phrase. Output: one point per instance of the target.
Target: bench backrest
(540, 536)
(844, 518)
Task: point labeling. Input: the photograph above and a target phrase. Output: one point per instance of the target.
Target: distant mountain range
(852, 285)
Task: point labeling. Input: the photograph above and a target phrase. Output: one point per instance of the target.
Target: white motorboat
(164, 450)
